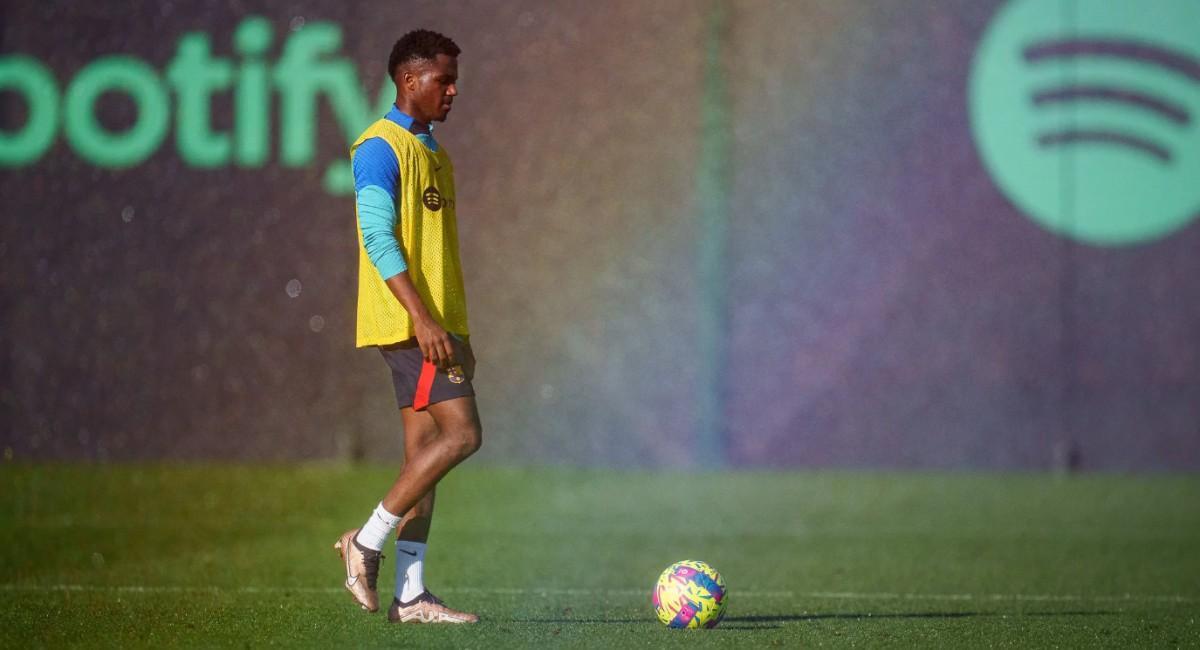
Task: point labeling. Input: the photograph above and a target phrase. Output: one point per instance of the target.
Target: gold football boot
(362, 570)
(427, 608)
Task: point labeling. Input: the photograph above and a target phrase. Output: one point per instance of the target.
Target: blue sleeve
(376, 172)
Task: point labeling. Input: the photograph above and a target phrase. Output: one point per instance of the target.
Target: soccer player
(412, 307)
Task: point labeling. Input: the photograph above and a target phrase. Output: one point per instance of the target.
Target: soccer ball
(690, 594)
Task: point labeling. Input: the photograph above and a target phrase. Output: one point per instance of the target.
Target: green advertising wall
(749, 233)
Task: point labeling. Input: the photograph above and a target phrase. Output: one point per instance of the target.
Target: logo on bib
(432, 198)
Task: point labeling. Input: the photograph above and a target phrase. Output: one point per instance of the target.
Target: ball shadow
(765, 621)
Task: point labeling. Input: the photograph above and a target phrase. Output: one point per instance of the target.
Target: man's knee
(460, 428)
(468, 439)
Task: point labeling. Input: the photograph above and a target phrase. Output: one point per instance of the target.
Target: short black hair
(419, 44)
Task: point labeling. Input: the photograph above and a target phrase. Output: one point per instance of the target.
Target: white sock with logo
(378, 528)
(410, 578)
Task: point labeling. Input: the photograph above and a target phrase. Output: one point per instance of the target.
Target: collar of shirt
(407, 122)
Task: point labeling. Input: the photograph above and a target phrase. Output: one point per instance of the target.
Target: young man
(412, 307)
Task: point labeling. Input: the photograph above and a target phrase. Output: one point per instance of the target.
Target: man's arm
(435, 342)
(376, 173)
(376, 176)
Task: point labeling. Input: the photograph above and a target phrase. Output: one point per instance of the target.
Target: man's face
(431, 87)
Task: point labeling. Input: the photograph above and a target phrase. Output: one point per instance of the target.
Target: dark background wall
(748, 232)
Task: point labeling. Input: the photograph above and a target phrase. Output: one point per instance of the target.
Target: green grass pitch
(236, 555)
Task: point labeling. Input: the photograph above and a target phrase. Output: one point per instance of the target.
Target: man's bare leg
(412, 534)
(442, 436)
(459, 435)
(420, 430)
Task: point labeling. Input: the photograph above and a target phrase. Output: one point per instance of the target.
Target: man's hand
(436, 345)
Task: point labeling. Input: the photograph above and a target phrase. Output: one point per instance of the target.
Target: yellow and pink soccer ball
(690, 594)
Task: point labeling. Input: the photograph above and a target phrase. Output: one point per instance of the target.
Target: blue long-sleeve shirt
(376, 175)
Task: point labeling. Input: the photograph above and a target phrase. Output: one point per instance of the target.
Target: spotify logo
(1087, 115)
(310, 71)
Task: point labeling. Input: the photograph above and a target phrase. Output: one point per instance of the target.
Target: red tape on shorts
(424, 385)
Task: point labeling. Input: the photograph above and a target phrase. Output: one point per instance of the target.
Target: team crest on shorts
(455, 375)
(432, 198)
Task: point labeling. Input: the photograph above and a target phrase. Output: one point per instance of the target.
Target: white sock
(410, 578)
(378, 528)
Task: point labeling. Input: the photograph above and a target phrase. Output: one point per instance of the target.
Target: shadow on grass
(788, 618)
(756, 622)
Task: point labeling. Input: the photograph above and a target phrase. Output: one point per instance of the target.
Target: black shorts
(420, 383)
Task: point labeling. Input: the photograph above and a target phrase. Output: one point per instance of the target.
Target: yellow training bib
(427, 230)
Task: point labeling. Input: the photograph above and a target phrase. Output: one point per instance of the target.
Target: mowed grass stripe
(554, 592)
(216, 555)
